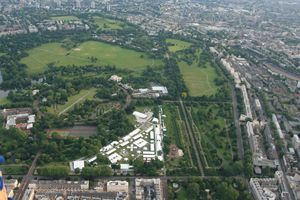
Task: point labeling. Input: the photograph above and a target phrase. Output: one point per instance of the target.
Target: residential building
(148, 189)
(117, 186)
(263, 188)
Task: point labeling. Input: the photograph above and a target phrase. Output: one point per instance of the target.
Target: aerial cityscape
(150, 100)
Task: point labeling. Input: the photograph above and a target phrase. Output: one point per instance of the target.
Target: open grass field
(105, 54)
(73, 100)
(172, 121)
(108, 24)
(199, 77)
(199, 80)
(177, 45)
(65, 18)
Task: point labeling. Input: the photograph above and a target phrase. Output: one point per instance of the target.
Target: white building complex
(116, 78)
(142, 117)
(23, 120)
(160, 89)
(145, 141)
(76, 164)
(152, 92)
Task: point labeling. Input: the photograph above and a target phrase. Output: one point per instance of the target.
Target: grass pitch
(108, 24)
(177, 45)
(104, 54)
(199, 80)
(75, 131)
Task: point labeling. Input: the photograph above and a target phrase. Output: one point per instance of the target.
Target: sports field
(65, 18)
(108, 24)
(75, 131)
(199, 80)
(87, 53)
(177, 45)
(198, 76)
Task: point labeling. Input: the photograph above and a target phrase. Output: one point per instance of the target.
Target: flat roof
(139, 114)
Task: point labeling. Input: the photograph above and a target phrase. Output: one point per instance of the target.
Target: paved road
(128, 98)
(192, 138)
(162, 177)
(26, 179)
(240, 144)
(200, 101)
(131, 189)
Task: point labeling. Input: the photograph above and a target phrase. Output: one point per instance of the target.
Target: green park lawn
(177, 45)
(171, 121)
(108, 24)
(199, 80)
(65, 18)
(210, 127)
(106, 54)
(73, 100)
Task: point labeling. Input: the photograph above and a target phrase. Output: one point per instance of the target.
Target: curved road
(128, 98)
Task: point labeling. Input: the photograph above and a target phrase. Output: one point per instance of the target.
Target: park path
(70, 106)
(191, 136)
